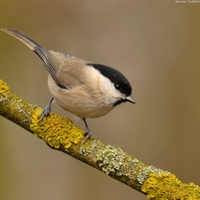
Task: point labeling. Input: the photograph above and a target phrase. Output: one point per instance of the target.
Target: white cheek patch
(102, 83)
(108, 87)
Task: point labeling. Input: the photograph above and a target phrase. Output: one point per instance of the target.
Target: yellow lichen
(55, 130)
(164, 186)
(3, 86)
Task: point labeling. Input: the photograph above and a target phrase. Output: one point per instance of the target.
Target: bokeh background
(156, 44)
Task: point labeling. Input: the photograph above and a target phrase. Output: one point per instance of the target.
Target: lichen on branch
(61, 134)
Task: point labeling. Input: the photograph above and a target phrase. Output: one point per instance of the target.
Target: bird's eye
(117, 86)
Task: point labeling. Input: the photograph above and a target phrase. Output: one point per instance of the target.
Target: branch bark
(60, 134)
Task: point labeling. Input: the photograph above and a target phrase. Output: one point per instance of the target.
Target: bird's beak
(130, 99)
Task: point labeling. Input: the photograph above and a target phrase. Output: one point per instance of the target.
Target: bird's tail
(49, 60)
(23, 38)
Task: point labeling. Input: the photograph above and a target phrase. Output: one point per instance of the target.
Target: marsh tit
(83, 88)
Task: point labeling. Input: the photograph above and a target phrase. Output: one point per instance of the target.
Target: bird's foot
(88, 134)
(46, 111)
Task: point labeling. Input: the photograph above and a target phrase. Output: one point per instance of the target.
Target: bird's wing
(71, 72)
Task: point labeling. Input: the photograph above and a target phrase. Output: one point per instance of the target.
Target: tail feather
(23, 38)
(40, 51)
(50, 59)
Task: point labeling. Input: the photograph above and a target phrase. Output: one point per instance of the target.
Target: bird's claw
(87, 134)
(46, 111)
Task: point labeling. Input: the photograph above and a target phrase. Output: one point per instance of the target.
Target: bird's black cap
(117, 78)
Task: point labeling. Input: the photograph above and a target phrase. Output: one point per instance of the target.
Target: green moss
(3, 86)
(165, 186)
(55, 130)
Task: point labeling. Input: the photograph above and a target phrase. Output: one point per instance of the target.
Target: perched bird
(83, 88)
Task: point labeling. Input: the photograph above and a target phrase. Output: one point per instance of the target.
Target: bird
(83, 88)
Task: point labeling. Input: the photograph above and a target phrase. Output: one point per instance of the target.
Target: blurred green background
(155, 44)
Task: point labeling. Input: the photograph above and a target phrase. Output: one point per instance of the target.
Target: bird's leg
(88, 133)
(46, 111)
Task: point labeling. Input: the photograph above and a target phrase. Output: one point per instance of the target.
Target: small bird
(83, 88)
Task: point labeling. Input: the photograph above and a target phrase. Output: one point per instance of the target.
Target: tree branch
(60, 134)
